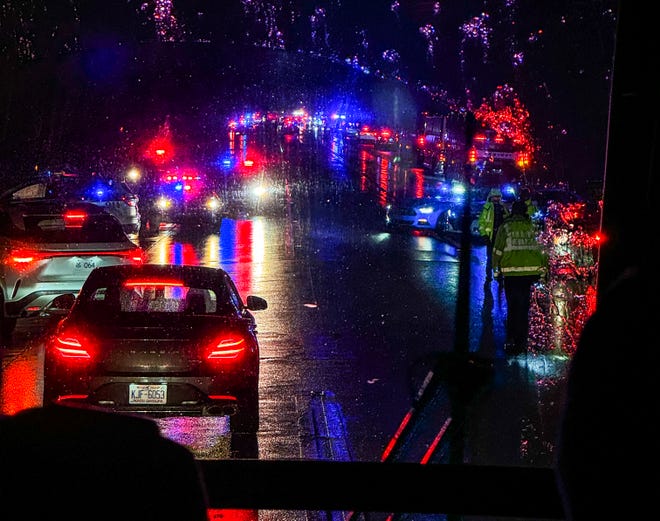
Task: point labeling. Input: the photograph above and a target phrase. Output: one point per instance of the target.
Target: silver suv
(116, 197)
(47, 249)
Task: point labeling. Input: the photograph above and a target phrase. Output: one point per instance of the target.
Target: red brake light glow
(71, 345)
(74, 218)
(131, 283)
(229, 347)
(24, 257)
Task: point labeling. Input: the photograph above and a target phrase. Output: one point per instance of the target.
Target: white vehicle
(47, 250)
(115, 197)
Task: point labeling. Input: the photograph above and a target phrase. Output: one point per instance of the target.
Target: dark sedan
(161, 340)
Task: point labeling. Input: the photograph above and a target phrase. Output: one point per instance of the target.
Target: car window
(137, 297)
(34, 191)
(99, 228)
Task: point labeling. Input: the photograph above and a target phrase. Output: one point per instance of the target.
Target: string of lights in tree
(507, 116)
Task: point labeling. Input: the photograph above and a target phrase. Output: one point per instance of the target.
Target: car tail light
(130, 201)
(72, 345)
(229, 347)
(23, 259)
(132, 283)
(135, 255)
(74, 218)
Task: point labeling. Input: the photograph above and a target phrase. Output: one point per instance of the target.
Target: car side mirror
(59, 306)
(255, 303)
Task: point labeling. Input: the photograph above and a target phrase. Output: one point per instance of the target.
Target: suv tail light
(23, 259)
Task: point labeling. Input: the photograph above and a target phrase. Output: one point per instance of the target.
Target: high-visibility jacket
(486, 219)
(517, 250)
(532, 209)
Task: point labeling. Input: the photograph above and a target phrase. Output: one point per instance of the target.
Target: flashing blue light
(509, 190)
(99, 191)
(178, 187)
(226, 161)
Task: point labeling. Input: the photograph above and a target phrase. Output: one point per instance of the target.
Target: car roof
(120, 272)
(37, 221)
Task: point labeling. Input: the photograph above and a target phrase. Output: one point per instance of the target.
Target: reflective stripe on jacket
(516, 250)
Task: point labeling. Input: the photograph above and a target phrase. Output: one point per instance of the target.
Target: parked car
(159, 340)
(441, 210)
(47, 250)
(114, 196)
(424, 213)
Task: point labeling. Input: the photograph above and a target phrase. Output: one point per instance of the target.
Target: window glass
(35, 191)
(346, 151)
(54, 229)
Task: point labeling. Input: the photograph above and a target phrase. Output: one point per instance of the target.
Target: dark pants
(518, 295)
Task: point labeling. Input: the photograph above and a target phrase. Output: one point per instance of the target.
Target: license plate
(147, 394)
(85, 263)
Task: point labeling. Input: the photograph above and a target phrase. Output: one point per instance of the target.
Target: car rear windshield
(56, 229)
(158, 297)
(84, 188)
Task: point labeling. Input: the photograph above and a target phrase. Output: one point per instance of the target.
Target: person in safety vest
(532, 209)
(521, 260)
(491, 217)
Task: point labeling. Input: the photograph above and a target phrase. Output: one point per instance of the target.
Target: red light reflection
(215, 514)
(19, 386)
(383, 182)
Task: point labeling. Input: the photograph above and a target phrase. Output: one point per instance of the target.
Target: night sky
(556, 55)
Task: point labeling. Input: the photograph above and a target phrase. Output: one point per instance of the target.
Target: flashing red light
(159, 150)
